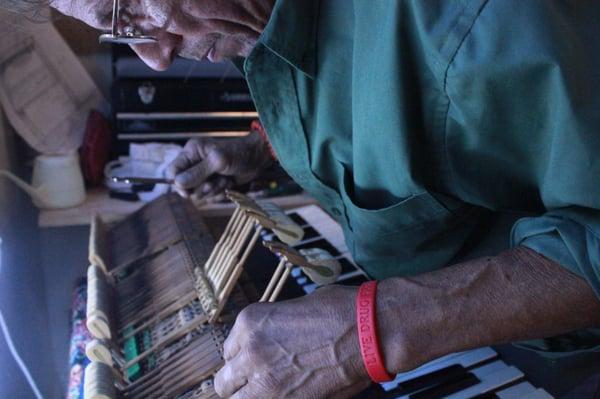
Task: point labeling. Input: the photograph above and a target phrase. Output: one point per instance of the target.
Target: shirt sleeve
(523, 133)
(570, 237)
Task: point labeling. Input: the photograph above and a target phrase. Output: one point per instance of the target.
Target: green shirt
(411, 120)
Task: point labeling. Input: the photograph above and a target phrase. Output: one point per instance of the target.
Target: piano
(478, 373)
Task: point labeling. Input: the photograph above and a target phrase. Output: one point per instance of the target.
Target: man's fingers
(194, 176)
(180, 163)
(232, 377)
(231, 347)
(183, 192)
(248, 391)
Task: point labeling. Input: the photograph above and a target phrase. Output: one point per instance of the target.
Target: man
(411, 122)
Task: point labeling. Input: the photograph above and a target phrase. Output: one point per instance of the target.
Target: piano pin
(274, 280)
(230, 244)
(279, 286)
(223, 286)
(228, 228)
(136, 326)
(231, 255)
(200, 359)
(234, 225)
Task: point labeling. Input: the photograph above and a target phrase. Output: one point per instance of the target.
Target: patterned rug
(80, 336)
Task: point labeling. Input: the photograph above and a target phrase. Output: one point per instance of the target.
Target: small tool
(142, 180)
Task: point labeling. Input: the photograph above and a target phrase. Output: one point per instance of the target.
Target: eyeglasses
(129, 35)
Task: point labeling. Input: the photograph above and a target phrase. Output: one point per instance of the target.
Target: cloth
(410, 121)
(80, 336)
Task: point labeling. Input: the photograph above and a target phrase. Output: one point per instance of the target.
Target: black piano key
(298, 219)
(347, 266)
(448, 388)
(432, 379)
(354, 281)
(488, 395)
(309, 233)
(322, 243)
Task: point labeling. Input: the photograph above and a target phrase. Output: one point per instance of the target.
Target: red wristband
(367, 332)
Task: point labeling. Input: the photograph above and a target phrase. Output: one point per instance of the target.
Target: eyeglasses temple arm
(115, 17)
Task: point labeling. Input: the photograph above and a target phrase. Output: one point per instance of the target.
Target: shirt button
(336, 212)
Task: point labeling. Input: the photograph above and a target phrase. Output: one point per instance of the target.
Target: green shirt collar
(291, 33)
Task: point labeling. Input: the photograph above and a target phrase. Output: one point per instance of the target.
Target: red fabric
(366, 320)
(95, 150)
(256, 126)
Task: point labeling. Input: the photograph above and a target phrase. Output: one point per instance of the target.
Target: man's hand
(308, 347)
(303, 348)
(206, 167)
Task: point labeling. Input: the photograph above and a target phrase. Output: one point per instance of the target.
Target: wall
(22, 291)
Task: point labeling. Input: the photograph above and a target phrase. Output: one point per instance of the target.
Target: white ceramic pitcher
(56, 182)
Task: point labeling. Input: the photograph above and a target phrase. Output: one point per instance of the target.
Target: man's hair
(32, 10)
(27, 7)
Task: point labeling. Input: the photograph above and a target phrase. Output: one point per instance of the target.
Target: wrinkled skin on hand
(302, 348)
(206, 167)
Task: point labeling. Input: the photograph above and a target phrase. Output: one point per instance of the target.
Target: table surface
(99, 203)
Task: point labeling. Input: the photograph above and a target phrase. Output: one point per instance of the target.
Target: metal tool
(142, 180)
(129, 35)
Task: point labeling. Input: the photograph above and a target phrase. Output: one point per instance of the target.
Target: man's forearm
(516, 295)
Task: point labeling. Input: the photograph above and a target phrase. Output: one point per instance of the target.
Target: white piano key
(308, 288)
(524, 390)
(296, 272)
(302, 280)
(319, 220)
(539, 394)
(267, 236)
(492, 376)
(516, 391)
(464, 359)
(350, 275)
(309, 240)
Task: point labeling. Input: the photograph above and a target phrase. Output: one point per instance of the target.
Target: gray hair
(30, 9)
(24, 6)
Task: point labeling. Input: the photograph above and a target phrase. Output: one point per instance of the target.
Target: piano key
(436, 378)
(448, 387)
(310, 233)
(539, 394)
(318, 219)
(493, 376)
(302, 280)
(347, 266)
(353, 279)
(464, 359)
(298, 219)
(521, 391)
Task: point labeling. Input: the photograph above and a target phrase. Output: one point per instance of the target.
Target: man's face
(195, 29)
